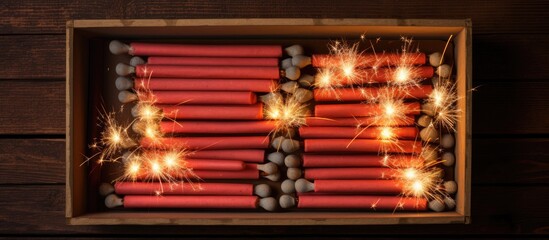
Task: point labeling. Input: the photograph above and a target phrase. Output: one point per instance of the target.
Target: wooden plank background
(510, 114)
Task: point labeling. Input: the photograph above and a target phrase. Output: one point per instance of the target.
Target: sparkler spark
(287, 113)
(443, 99)
(419, 179)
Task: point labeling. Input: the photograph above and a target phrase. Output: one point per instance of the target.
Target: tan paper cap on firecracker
(287, 201)
(288, 186)
(112, 201)
(302, 185)
(117, 47)
(262, 190)
(106, 189)
(268, 203)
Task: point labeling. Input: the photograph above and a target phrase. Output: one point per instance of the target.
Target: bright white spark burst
(419, 179)
(288, 113)
(443, 100)
(169, 166)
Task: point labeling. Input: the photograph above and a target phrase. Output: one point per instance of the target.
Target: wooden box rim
(461, 26)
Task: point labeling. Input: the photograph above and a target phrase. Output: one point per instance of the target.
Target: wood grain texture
(32, 107)
(511, 108)
(510, 161)
(39, 209)
(32, 161)
(525, 57)
(510, 117)
(32, 57)
(488, 16)
(510, 57)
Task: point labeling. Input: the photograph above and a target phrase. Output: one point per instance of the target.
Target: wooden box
(86, 37)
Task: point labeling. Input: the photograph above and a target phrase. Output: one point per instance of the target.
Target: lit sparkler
(289, 113)
(443, 101)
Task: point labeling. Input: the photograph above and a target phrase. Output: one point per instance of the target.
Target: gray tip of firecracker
(123, 83)
(290, 145)
(429, 134)
(436, 205)
(268, 203)
(106, 189)
(134, 61)
(302, 185)
(428, 108)
(450, 187)
(273, 177)
(435, 80)
(127, 97)
(123, 69)
(126, 156)
(292, 73)
(287, 201)
(429, 153)
(117, 47)
(262, 190)
(424, 120)
(288, 186)
(268, 168)
(306, 80)
(286, 63)
(303, 95)
(276, 143)
(292, 161)
(450, 202)
(444, 71)
(447, 141)
(294, 50)
(112, 201)
(271, 97)
(448, 159)
(293, 173)
(434, 59)
(276, 157)
(301, 61)
(438, 172)
(289, 87)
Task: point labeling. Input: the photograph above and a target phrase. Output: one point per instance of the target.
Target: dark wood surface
(510, 112)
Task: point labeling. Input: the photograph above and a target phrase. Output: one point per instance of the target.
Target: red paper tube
(250, 172)
(217, 127)
(136, 201)
(349, 173)
(246, 155)
(312, 161)
(382, 75)
(361, 145)
(361, 94)
(353, 132)
(356, 121)
(153, 188)
(221, 165)
(179, 71)
(358, 186)
(359, 110)
(191, 50)
(253, 142)
(371, 60)
(214, 112)
(251, 85)
(389, 203)
(213, 61)
(204, 97)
